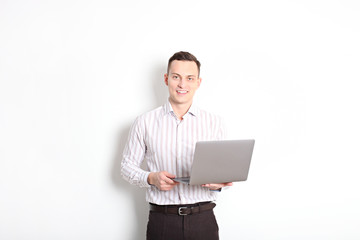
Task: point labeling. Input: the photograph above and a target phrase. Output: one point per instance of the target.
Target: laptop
(220, 161)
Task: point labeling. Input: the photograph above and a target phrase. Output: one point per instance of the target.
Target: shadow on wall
(159, 87)
(137, 195)
(139, 207)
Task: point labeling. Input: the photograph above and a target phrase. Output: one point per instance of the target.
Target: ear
(166, 79)
(199, 82)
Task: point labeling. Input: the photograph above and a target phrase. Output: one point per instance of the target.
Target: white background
(74, 74)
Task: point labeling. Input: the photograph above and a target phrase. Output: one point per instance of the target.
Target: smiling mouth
(181, 91)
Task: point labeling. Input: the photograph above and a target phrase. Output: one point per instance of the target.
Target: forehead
(183, 68)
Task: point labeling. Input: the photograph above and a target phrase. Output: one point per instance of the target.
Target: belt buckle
(180, 213)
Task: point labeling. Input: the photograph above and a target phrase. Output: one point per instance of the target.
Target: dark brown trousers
(198, 226)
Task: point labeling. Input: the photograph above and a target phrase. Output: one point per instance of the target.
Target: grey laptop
(220, 162)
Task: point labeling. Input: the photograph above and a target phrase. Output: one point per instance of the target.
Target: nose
(181, 83)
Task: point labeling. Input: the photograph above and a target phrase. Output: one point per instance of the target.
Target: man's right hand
(162, 180)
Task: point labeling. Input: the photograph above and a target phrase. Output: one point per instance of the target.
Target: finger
(166, 177)
(228, 184)
(169, 181)
(169, 175)
(213, 186)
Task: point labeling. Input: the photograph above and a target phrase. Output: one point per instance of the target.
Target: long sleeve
(133, 156)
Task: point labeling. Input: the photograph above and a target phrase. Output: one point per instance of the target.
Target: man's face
(182, 81)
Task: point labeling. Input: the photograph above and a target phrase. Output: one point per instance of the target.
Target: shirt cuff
(145, 182)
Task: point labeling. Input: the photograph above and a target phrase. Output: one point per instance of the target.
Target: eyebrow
(191, 75)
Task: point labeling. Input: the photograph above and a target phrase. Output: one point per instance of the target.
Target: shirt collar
(193, 110)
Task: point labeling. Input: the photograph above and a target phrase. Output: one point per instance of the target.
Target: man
(166, 138)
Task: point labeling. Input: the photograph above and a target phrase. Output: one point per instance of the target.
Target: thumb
(169, 175)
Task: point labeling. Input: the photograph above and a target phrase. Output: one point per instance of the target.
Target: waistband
(183, 210)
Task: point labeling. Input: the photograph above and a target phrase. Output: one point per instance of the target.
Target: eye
(175, 77)
(190, 78)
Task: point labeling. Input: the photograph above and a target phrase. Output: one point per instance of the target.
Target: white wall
(75, 74)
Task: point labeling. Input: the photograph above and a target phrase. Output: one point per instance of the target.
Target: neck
(180, 109)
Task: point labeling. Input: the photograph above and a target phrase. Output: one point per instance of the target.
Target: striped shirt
(168, 144)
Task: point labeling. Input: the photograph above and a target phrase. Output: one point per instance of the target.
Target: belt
(182, 210)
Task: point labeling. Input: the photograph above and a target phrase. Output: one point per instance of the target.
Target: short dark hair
(184, 56)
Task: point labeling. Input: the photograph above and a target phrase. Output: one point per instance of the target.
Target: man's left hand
(216, 186)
